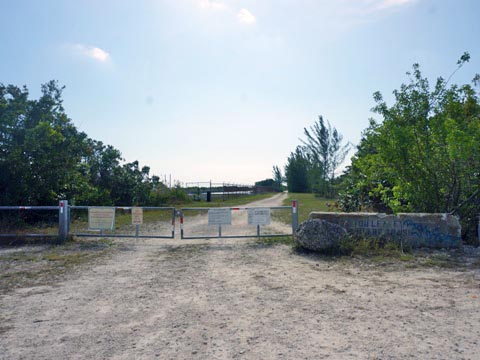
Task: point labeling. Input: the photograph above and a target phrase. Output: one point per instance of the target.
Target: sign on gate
(220, 216)
(259, 216)
(101, 218)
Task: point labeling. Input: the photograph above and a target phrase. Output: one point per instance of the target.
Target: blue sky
(221, 90)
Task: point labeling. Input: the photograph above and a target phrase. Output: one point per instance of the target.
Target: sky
(221, 90)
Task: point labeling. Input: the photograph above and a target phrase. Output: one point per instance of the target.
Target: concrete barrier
(414, 229)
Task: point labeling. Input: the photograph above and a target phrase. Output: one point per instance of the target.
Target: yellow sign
(101, 218)
(137, 216)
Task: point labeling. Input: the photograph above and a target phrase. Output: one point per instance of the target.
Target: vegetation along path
(224, 299)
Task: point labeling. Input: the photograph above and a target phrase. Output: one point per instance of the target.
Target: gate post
(180, 213)
(294, 216)
(63, 222)
(478, 229)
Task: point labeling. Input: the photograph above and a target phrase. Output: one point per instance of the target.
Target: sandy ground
(237, 299)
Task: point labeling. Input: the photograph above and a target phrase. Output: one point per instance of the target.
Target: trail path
(235, 299)
(198, 225)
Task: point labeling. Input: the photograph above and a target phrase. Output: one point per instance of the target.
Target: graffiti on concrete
(426, 234)
(431, 230)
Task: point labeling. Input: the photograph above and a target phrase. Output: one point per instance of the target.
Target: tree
(325, 152)
(425, 155)
(296, 171)
(278, 178)
(101, 164)
(266, 182)
(44, 158)
(41, 148)
(14, 109)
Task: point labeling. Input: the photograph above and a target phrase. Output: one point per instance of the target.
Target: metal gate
(157, 222)
(214, 222)
(122, 221)
(51, 219)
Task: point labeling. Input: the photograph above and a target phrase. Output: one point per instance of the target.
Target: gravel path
(236, 299)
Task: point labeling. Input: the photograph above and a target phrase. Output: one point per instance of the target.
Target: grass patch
(23, 257)
(229, 202)
(380, 252)
(448, 260)
(357, 246)
(306, 204)
(35, 266)
(371, 250)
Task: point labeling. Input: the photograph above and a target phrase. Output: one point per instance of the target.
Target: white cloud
(246, 17)
(212, 4)
(387, 4)
(92, 52)
(393, 3)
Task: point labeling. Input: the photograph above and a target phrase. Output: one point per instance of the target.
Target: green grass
(229, 202)
(306, 204)
(375, 248)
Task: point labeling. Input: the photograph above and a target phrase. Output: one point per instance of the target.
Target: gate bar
(29, 207)
(136, 235)
(238, 208)
(294, 208)
(33, 235)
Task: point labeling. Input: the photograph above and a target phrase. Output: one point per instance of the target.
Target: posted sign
(101, 218)
(137, 216)
(259, 216)
(219, 216)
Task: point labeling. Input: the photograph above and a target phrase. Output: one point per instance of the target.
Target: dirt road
(236, 299)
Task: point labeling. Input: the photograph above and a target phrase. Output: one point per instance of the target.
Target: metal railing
(72, 223)
(164, 216)
(208, 223)
(9, 230)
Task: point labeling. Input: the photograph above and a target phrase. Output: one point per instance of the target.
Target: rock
(413, 229)
(319, 235)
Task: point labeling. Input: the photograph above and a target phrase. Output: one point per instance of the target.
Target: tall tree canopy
(41, 149)
(324, 145)
(44, 158)
(278, 178)
(296, 171)
(312, 166)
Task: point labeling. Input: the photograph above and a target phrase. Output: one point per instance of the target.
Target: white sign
(101, 218)
(137, 216)
(259, 216)
(220, 216)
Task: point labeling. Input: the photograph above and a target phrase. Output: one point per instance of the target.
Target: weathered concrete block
(318, 235)
(414, 229)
